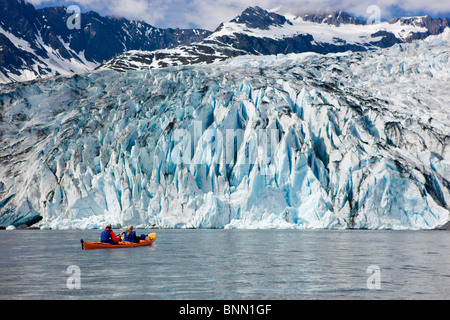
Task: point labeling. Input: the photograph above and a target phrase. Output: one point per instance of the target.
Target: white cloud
(138, 9)
(37, 2)
(209, 14)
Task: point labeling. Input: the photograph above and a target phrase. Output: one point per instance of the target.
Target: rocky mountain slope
(39, 43)
(259, 32)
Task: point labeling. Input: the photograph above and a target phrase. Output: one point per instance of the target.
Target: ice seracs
(344, 140)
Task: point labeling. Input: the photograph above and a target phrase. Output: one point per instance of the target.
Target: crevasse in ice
(357, 140)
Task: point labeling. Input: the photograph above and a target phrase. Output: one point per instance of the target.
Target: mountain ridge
(259, 32)
(37, 43)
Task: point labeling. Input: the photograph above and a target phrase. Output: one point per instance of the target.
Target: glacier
(346, 140)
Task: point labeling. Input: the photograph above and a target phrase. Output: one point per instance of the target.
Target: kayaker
(108, 236)
(130, 235)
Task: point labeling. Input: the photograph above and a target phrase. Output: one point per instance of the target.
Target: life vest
(129, 236)
(106, 236)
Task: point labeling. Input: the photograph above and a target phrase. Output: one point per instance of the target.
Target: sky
(208, 14)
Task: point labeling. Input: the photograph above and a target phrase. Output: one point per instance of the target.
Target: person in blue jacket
(130, 235)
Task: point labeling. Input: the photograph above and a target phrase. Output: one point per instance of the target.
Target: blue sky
(208, 14)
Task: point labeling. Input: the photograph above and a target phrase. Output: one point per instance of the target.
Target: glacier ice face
(357, 140)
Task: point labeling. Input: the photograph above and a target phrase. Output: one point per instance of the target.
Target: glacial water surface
(228, 264)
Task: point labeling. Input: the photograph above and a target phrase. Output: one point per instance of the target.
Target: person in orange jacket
(108, 236)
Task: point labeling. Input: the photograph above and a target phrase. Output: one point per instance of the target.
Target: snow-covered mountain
(260, 32)
(39, 43)
(342, 140)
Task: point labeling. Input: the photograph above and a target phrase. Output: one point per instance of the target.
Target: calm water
(229, 264)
